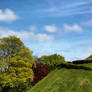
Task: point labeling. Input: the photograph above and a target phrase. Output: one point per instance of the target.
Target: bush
(40, 72)
(72, 66)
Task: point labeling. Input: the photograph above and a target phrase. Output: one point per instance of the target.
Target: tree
(9, 47)
(15, 62)
(53, 60)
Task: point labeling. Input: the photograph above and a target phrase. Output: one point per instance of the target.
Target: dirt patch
(82, 81)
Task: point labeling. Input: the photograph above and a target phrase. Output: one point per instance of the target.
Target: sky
(50, 26)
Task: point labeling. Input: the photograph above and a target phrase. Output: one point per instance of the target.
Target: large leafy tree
(53, 60)
(15, 62)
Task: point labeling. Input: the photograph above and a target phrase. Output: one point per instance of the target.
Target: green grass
(65, 80)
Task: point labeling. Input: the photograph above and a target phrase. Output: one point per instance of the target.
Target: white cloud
(42, 37)
(51, 28)
(25, 35)
(74, 28)
(7, 15)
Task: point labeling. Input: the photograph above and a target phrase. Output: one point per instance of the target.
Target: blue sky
(50, 26)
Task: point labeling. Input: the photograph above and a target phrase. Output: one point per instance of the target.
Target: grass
(65, 80)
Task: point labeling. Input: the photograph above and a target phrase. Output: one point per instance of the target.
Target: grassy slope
(65, 80)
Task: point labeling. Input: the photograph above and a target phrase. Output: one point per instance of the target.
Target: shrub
(72, 66)
(40, 72)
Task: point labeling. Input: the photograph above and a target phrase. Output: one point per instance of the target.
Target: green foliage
(53, 60)
(0, 89)
(9, 47)
(16, 62)
(20, 87)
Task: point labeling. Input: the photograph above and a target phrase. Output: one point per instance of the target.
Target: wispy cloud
(68, 9)
(25, 35)
(90, 50)
(51, 28)
(84, 44)
(33, 28)
(52, 9)
(8, 15)
(73, 28)
(87, 23)
(76, 4)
